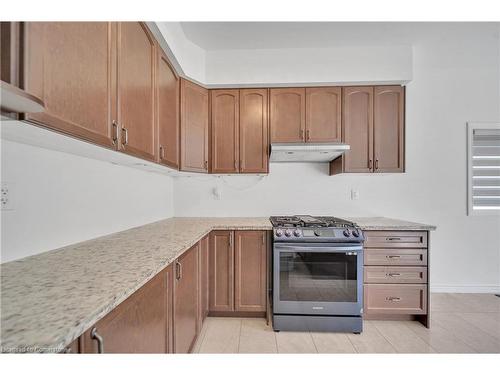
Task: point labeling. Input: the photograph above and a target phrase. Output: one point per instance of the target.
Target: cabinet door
(250, 271)
(70, 66)
(136, 89)
(221, 271)
(357, 116)
(204, 281)
(167, 112)
(186, 300)
(194, 127)
(323, 114)
(225, 128)
(254, 128)
(388, 128)
(137, 325)
(288, 107)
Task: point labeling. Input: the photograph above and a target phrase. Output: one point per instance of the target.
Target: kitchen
(178, 191)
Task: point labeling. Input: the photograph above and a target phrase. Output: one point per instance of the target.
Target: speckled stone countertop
(50, 299)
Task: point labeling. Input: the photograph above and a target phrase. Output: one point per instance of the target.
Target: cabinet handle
(393, 256)
(235, 165)
(393, 299)
(125, 133)
(178, 270)
(370, 164)
(115, 132)
(308, 135)
(376, 164)
(393, 239)
(206, 164)
(100, 341)
(302, 134)
(162, 152)
(394, 274)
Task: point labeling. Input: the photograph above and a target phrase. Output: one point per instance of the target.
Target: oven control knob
(347, 233)
(296, 233)
(355, 233)
(288, 233)
(279, 232)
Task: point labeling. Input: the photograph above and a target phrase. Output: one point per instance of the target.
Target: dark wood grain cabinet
(140, 324)
(167, 110)
(186, 299)
(194, 127)
(238, 271)
(72, 66)
(373, 125)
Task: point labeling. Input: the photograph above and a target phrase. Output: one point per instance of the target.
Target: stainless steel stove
(317, 274)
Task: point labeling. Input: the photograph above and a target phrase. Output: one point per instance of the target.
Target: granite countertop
(49, 299)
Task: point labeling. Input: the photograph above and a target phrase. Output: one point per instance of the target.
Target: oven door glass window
(320, 277)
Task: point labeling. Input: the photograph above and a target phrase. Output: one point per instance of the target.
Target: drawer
(395, 257)
(395, 299)
(395, 275)
(395, 239)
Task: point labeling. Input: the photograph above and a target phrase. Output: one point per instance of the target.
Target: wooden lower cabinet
(221, 271)
(204, 281)
(140, 324)
(186, 286)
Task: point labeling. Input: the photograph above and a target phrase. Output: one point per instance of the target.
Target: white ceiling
(270, 35)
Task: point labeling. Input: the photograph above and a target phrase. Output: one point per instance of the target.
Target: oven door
(318, 279)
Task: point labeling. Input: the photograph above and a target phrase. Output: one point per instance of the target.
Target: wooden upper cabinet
(323, 114)
(357, 115)
(168, 87)
(250, 271)
(389, 129)
(70, 66)
(194, 127)
(254, 129)
(186, 300)
(136, 89)
(221, 271)
(140, 324)
(287, 114)
(225, 130)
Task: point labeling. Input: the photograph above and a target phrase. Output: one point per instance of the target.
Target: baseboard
(443, 288)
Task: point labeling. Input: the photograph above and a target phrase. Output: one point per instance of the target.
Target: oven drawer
(395, 275)
(395, 239)
(395, 299)
(395, 257)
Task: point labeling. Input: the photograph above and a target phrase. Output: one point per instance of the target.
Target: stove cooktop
(310, 221)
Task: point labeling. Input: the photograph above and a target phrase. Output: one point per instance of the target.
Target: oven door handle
(318, 249)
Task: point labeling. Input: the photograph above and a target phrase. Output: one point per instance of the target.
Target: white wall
(60, 199)
(310, 65)
(455, 80)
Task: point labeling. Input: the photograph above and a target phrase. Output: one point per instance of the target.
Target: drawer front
(395, 275)
(395, 257)
(395, 239)
(395, 299)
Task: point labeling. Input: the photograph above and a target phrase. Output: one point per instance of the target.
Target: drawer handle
(393, 299)
(100, 341)
(393, 256)
(394, 274)
(393, 239)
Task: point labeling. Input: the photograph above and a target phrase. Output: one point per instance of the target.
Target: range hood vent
(15, 100)
(306, 152)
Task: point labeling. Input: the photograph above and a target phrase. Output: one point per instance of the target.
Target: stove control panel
(350, 234)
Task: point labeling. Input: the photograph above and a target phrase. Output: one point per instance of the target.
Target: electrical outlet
(217, 193)
(6, 200)
(354, 194)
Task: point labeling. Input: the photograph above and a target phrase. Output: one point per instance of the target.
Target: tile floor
(460, 323)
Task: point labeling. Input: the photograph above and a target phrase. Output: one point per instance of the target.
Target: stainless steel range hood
(306, 152)
(15, 100)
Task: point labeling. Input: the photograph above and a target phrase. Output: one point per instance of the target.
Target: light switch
(354, 194)
(6, 200)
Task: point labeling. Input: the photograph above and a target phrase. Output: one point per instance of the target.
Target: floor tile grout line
(477, 327)
(239, 336)
(385, 338)
(314, 342)
(352, 344)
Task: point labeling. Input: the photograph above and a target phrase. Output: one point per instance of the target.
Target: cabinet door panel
(288, 107)
(250, 271)
(136, 89)
(194, 127)
(137, 325)
(254, 140)
(225, 128)
(70, 65)
(388, 129)
(186, 300)
(221, 271)
(204, 280)
(357, 115)
(323, 114)
(167, 112)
